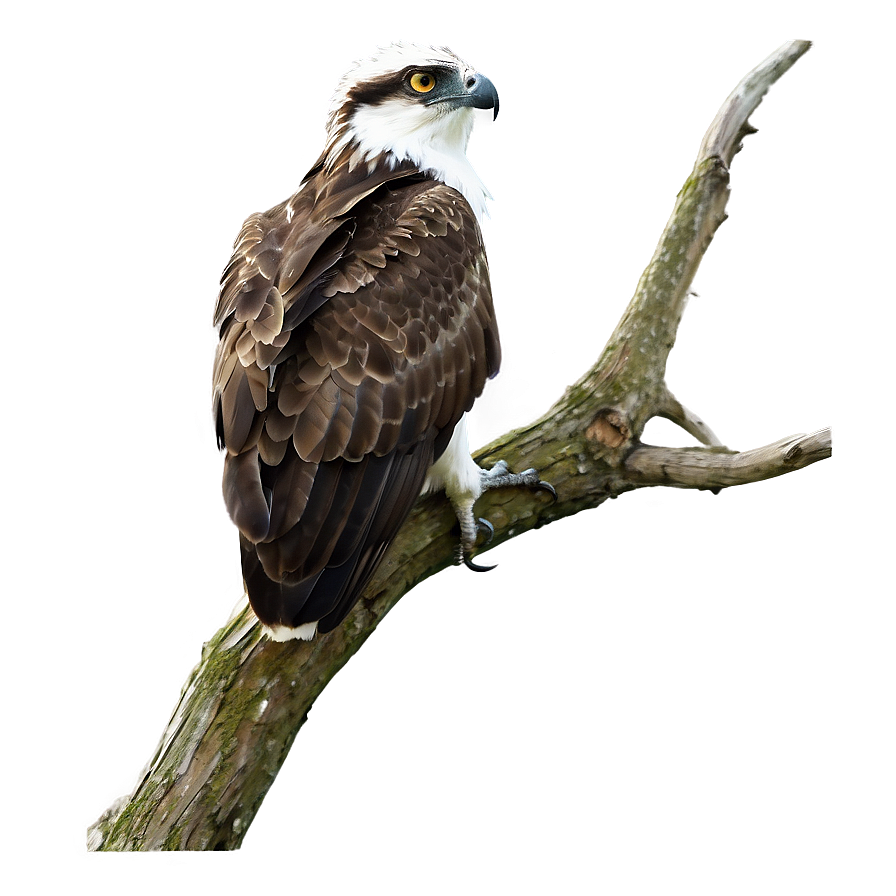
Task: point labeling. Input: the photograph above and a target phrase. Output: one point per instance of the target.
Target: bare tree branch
(672, 409)
(699, 468)
(246, 700)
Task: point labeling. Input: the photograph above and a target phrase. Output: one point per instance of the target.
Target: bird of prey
(356, 330)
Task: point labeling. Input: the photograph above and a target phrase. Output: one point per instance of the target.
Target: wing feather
(270, 451)
(290, 490)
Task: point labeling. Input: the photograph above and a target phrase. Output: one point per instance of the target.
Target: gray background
(675, 693)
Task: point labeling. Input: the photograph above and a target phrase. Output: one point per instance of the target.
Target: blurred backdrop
(675, 693)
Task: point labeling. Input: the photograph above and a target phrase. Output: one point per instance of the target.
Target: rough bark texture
(243, 705)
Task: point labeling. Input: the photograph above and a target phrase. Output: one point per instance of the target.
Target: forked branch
(243, 705)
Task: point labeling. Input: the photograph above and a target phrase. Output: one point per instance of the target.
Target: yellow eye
(423, 82)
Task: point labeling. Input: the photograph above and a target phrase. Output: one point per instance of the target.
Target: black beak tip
(483, 94)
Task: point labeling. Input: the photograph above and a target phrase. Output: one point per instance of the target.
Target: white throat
(435, 140)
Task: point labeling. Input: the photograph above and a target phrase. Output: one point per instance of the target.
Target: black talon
(547, 487)
(476, 567)
(489, 530)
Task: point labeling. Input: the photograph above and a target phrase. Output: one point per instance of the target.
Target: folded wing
(351, 345)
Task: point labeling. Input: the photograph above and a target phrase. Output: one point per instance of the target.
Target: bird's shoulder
(416, 233)
(289, 248)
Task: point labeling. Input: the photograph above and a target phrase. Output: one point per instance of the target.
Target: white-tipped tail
(284, 633)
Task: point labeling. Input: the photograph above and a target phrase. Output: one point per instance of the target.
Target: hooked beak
(479, 93)
(482, 93)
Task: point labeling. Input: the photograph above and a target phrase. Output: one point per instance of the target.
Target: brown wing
(336, 392)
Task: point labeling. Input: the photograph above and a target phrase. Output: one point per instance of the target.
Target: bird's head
(409, 102)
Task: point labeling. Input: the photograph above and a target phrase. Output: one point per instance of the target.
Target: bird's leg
(464, 481)
(499, 476)
(468, 530)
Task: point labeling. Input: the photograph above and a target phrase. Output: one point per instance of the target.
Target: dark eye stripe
(378, 90)
(372, 93)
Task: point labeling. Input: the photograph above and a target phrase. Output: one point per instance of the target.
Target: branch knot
(609, 429)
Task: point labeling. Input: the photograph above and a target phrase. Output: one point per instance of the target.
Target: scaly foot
(499, 476)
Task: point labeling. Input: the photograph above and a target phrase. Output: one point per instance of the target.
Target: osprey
(356, 330)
